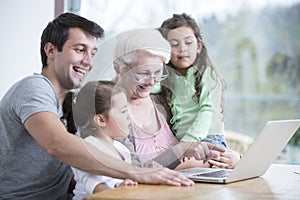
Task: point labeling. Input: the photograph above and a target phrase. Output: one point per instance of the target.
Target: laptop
(257, 159)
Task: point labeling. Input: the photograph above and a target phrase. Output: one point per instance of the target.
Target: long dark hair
(202, 60)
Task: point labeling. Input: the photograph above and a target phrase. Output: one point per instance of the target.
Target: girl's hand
(227, 159)
(202, 150)
(126, 182)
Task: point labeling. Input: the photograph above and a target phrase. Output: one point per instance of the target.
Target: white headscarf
(147, 39)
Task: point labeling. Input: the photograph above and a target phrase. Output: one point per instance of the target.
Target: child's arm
(92, 183)
(101, 187)
(116, 183)
(199, 129)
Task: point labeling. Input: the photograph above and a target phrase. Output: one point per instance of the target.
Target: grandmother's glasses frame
(146, 77)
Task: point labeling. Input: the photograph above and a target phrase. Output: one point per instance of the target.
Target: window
(255, 44)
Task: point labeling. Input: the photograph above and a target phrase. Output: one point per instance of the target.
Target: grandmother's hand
(152, 164)
(202, 151)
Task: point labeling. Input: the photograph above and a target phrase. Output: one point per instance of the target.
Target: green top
(193, 121)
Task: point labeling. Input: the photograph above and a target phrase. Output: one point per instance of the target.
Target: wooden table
(279, 182)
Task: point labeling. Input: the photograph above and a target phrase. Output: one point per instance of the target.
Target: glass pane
(254, 43)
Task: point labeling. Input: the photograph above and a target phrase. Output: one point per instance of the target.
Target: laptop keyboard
(216, 174)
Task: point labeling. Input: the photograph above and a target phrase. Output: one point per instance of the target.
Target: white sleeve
(111, 182)
(90, 181)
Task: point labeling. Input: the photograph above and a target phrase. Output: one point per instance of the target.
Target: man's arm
(50, 133)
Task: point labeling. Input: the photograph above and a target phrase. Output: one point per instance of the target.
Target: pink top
(149, 145)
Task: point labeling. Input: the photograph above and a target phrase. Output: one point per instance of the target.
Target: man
(35, 148)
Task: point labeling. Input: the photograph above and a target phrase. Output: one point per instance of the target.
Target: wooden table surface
(279, 182)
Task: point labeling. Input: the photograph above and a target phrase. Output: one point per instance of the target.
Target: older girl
(194, 88)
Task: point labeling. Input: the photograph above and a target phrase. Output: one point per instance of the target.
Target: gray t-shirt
(27, 170)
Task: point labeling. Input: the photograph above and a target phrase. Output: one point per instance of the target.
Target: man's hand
(162, 176)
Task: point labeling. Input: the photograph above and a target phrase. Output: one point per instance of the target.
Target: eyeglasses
(144, 77)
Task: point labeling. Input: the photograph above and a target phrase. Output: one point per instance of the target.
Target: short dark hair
(57, 31)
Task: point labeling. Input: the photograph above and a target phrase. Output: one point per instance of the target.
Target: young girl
(101, 114)
(194, 88)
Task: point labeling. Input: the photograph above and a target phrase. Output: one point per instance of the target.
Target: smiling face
(184, 48)
(76, 59)
(145, 66)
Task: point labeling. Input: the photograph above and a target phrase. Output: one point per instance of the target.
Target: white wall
(22, 23)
